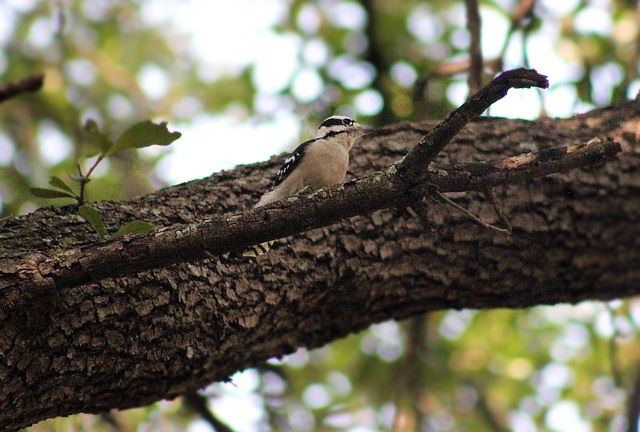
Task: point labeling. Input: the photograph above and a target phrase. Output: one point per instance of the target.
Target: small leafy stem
(135, 227)
(85, 178)
(140, 135)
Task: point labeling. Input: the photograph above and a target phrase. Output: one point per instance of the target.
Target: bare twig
(497, 207)
(198, 404)
(480, 176)
(475, 51)
(31, 83)
(469, 214)
(417, 161)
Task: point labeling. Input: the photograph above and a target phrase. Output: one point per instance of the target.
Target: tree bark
(132, 340)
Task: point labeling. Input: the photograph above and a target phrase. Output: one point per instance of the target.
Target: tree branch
(39, 273)
(31, 83)
(417, 161)
(130, 341)
(224, 234)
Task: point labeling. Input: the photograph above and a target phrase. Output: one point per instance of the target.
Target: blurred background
(246, 79)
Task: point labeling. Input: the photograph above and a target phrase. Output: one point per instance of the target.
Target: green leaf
(144, 134)
(136, 227)
(50, 193)
(100, 139)
(58, 183)
(93, 217)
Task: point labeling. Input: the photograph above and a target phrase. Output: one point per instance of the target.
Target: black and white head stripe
(291, 162)
(336, 124)
(338, 121)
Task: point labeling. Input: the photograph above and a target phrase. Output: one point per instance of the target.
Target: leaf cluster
(140, 135)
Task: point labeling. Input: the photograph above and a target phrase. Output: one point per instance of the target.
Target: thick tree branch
(29, 84)
(132, 340)
(40, 273)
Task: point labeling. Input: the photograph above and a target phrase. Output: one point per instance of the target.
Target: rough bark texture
(23, 279)
(130, 341)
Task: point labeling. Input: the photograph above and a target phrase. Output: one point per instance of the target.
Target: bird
(315, 164)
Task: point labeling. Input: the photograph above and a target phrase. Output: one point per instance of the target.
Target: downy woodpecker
(314, 164)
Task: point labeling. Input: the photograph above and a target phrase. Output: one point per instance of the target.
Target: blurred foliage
(123, 61)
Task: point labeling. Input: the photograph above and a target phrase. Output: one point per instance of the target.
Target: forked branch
(280, 219)
(385, 189)
(416, 163)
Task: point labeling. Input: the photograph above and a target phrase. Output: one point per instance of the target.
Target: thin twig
(475, 51)
(497, 207)
(31, 83)
(85, 178)
(469, 214)
(522, 11)
(95, 164)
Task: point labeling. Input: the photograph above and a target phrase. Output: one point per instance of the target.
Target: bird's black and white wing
(290, 164)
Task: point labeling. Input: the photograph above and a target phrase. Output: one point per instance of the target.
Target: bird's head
(340, 124)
